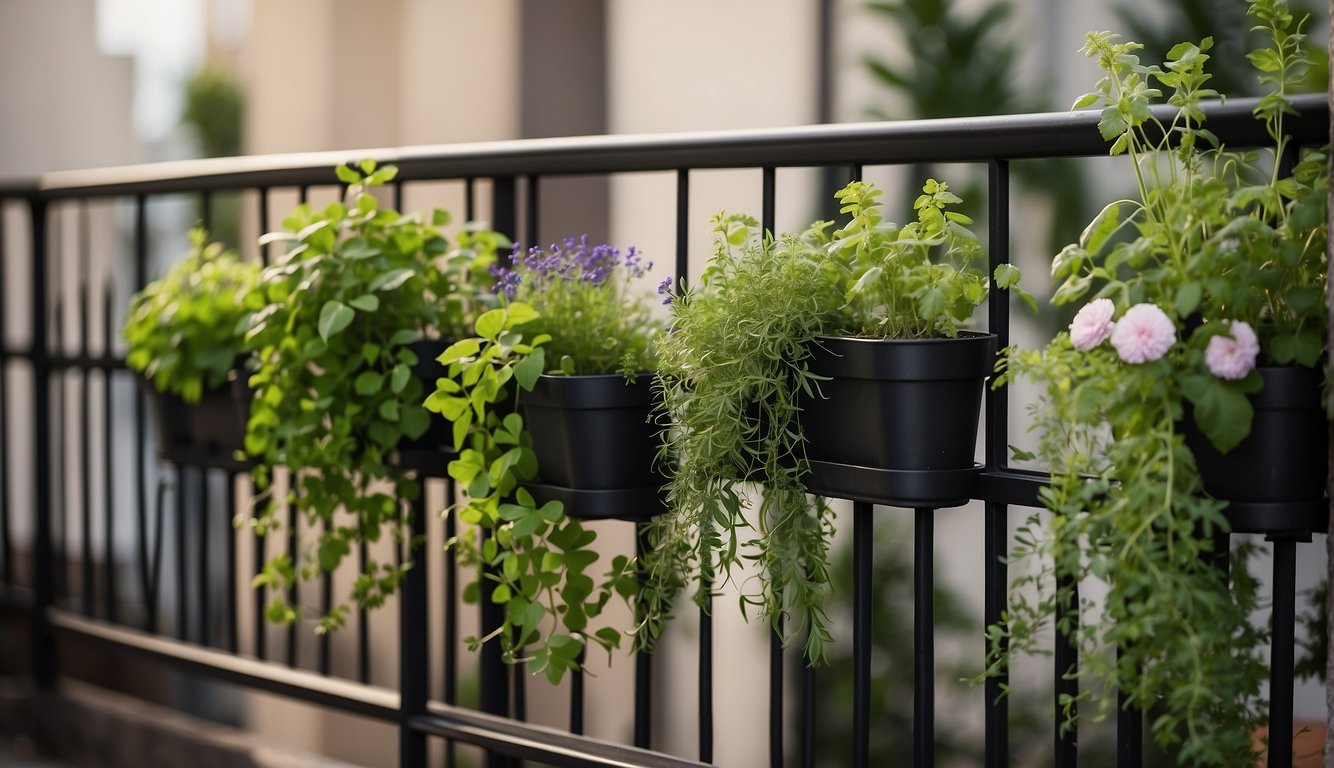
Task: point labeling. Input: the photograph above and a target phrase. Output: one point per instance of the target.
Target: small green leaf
(367, 302)
(488, 326)
(399, 378)
(388, 281)
(334, 317)
(519, 313)
(347, 175)
(528, 369)
(368, 383)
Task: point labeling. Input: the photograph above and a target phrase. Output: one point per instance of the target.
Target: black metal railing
(56, 389)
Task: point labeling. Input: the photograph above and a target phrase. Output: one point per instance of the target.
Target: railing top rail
(966, 139)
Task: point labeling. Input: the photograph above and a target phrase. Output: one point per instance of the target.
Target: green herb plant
(186, 329)
(1226, 253)
(734, 369)
(536, 559)
(334, 393)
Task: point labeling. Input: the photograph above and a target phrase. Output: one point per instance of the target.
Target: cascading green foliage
(734, 367)
(569, 309)
(730, 371)
(185, 329)
(1222, 239)
(334, 393)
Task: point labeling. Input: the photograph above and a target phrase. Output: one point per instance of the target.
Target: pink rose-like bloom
(1143, 334)
(1092, 324)
(1232, 357)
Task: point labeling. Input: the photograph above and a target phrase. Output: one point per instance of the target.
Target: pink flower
(1092, 324)
(1143, 334)
(1232, 357)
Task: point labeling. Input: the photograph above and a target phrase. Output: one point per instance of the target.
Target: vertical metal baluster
(1129, 731)
(643, 659)
(261, 593)
(182, 542)
(1066, 659)
(292, 593)
(263, 201)
(58, 375)
(293, 520)
(531, 213)
(807, 714)
(326, 605)
(451, 689)
(6, 544)
(6, 550)
(767, 192)
(141, 424)
(206, 209)
(363, 623)
(576, 697)
(519, 679)
(924, 648)
(230, 534)
(706, 672)
(88, 586)
(682, 226)
(1281, 654)
(204, 512)
(413, 633)
(108, 470)
(996, 535)
(493, 672)
(43, 649)
(863, 534)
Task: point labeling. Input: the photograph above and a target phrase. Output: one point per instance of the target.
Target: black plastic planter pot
(1284, 459)
(897, 423)
(595, 444)
(207, 432)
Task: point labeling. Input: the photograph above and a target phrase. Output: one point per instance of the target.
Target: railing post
(43, 577)
(413, 662)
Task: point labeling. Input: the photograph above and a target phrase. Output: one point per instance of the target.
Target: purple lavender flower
(507, 280)
(665, 289)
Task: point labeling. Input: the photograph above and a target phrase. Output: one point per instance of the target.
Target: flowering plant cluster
(586, 302)
(573, 304)
(1225, 273)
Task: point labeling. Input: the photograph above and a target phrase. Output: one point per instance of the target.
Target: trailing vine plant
(537, 560)
(334, 393)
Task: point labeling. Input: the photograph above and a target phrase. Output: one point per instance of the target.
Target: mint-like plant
(334, 392)
(185, 329)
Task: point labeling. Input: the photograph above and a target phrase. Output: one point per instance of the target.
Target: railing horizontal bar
(1012, 486)
(353, 698)
(940, 140)
(535, 742)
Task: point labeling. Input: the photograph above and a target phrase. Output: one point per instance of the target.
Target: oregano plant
(334, 392)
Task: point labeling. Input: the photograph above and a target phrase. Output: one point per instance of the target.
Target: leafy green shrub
(185, 329)
(334, 393)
